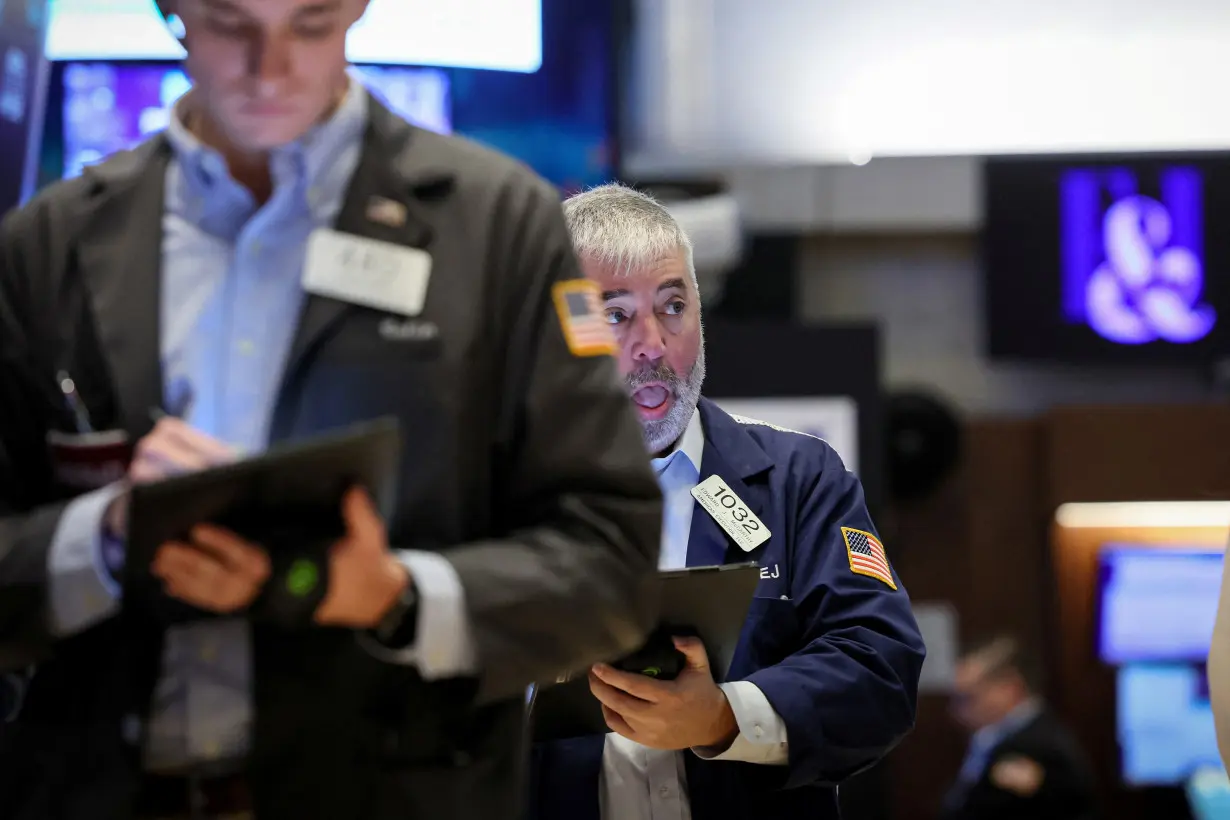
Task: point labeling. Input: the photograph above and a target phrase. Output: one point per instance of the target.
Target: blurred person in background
(289, 258)
(1022, 762)
(824, 681)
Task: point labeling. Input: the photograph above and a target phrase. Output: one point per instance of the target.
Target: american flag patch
(579, 305)
(867, 555)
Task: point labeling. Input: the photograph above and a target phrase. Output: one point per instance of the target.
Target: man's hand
(218, 571)
(171, 448)
(365, 577)
(688, 712)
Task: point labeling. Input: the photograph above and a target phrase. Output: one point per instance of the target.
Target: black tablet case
(291, 492)
(710, 602)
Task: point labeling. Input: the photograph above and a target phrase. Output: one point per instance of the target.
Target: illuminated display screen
(22, 91)
(501, 35)
(1133, 260)
(1164, 724)
(109, 107)
(1156, 604)
(561, 120)
(1108, 258)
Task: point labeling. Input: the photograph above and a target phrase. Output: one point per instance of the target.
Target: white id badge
(731, 514)
(366, 272)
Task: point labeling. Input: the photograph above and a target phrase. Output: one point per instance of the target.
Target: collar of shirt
(309, 166)
(691, 445)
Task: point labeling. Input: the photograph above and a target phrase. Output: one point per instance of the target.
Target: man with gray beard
(824, 681)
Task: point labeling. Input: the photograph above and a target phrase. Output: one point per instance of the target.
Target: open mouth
(651, 397)
(652, 401)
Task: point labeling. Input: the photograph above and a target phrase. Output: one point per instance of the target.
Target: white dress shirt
(639, 783)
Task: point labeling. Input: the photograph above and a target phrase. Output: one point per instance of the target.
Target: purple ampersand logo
(1135, 275)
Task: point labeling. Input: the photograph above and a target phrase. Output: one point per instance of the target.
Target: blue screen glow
(1157, 604)
(1165, 724)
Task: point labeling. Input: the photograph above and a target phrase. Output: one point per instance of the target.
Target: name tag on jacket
(367, 272)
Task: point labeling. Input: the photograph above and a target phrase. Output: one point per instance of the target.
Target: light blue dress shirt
(231, 298)
(677, 475)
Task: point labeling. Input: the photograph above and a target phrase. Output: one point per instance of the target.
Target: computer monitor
(1156, 603)
(562, 119)
(503, 36)
(1164, 723)
(23, 91)
(112, 106)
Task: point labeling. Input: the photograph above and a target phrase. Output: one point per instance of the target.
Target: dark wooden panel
(1007, 550)
(928, 544)
(979, 544)
(1138, 453)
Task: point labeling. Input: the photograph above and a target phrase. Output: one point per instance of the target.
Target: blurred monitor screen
(502, 35)
(1156, 604)
(109, 107)
(1108, 259)
(561, 120)
(1165, 724)
(23, 86)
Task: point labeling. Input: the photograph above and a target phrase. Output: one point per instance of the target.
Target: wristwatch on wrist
(399, 626)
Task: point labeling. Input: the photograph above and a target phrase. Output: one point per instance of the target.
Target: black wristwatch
(399, 626)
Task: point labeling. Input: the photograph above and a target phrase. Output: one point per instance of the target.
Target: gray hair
(619, 226)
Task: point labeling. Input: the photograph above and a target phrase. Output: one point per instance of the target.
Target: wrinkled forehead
(648, 275)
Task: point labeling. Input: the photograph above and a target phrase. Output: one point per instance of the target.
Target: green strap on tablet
(295, 589)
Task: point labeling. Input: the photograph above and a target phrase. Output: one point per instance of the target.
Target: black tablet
(709, 602)
(292, 490)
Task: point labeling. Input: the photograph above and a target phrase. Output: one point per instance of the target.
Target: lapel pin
(386, 212)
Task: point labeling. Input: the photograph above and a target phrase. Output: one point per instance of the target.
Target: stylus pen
(68, 389)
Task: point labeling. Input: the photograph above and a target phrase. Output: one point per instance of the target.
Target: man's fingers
(188, 438)
(694, 650)
(182, 563)
(363, 522)
(161, 457)
(236, 554)
(639, 686)
(621, 702)
(197, 578)
(617, 724)
(175, 447)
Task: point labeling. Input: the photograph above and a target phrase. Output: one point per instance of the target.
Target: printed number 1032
(737, 511)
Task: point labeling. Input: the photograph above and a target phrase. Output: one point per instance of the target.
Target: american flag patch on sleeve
(579, 305)
(867, 556)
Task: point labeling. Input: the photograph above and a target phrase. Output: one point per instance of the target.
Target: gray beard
(664, 432)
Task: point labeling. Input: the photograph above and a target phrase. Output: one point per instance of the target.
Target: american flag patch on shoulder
(579, 305)
(867, 556)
